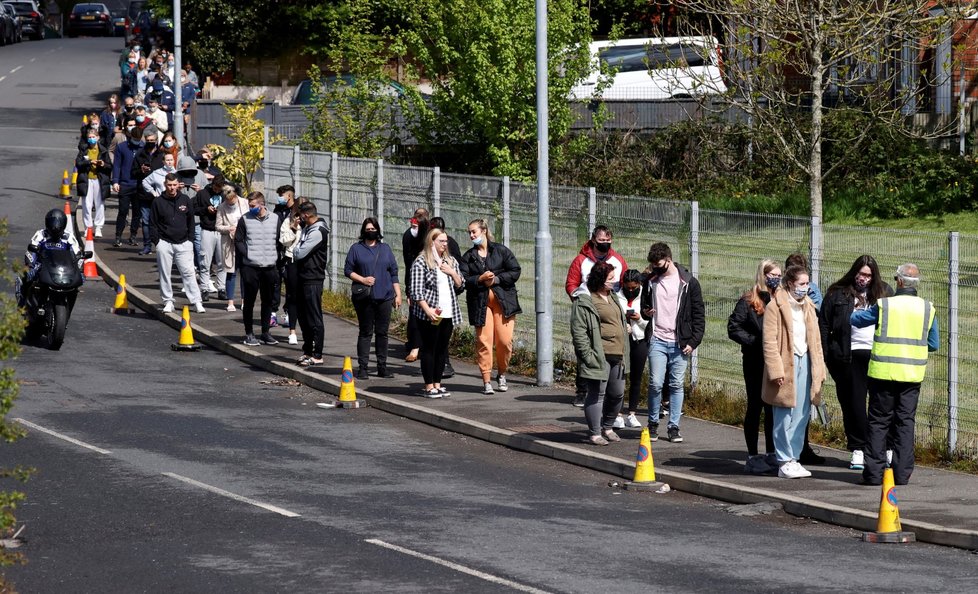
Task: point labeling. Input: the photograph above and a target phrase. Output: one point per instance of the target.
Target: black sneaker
(117, 242)
(267, 338)
(449, 371)
(222, 295)
(653, 432)
(579, 400)
(808, 456)
(385, 373)
(205, 296)
(250, 340)
(674, 435)
(131, 240)
(362, 374)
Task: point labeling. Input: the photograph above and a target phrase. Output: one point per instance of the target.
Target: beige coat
(779, 360)
(228, 214)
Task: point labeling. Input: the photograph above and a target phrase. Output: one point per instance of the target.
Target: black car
(89, 18)
(31, 19)
(9, 26)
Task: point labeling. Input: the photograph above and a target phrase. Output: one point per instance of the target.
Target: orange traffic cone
(644, 466)
(348, 391)
(71, 219)
(121, 298)
(90, 270)
(888, 529)
(186, 341)
(65, 187)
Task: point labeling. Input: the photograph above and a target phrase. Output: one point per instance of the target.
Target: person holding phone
(94, 177)
(630, 298)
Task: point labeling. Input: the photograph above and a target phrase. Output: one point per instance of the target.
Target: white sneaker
(793, 470)
(98, 232)
(502, 386)
(632, 422)
(619, 422)
(293, 339)
(856, 462)
(199, 307)
(889, 457)
(231, 307)
(487, 388)
(168, 307)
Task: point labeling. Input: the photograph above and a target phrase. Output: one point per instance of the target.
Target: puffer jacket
(501, 261)
(585, 326)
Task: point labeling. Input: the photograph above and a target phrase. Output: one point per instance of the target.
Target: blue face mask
(282, 201)
(479, 240)
(140, 119)
(92, 141)
(254, 211)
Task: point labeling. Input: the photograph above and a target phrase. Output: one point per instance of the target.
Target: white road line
(228, 494)
(32, 59)
(62, 436)
(2, 77)
(16, 69)
(460, 568)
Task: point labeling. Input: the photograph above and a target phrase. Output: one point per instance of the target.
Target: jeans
(603, 401)
(229, 283)
(210, 251)
(790, 424)
(255, 280)
(181, 254)
(666, 358)
(374, 319)
(144, 214)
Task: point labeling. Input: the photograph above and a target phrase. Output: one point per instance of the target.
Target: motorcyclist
(52, 236)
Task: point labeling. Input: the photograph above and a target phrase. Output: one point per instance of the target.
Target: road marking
(16, 69)
(2, 77)
(32, 59)
(62, 436)
(460, 568)
(230, 495)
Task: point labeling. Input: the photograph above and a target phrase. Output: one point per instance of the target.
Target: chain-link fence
(721, 248)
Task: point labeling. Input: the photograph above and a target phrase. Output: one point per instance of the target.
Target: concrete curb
(618, 467)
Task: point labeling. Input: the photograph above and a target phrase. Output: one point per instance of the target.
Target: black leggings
(753, 380)
(293, 292)
(434, 348)
(637, 358)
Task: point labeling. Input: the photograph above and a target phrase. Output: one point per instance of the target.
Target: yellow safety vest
(900, 344)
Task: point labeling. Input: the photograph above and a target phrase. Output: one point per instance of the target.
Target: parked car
(18, 24)
(303, 94)
(91, 18)
(132, 11)
(119, 22)
(31, 18)
(653, 68)
(8, 26)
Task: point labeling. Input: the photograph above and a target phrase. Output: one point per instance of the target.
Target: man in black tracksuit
(172, 232)
(310, 256)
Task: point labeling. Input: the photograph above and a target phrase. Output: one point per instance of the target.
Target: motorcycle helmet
(55, 222)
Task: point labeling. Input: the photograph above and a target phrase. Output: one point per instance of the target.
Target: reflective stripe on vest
(900, 343)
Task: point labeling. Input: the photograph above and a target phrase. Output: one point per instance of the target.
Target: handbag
(360, 291)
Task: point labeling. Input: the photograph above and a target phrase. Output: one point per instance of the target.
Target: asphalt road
(196, 473)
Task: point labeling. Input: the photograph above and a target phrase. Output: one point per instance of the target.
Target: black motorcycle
(52, 296)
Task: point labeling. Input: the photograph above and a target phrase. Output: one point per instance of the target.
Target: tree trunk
(815, 155)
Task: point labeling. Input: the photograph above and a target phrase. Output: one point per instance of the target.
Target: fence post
(297, 171)
(435, 192)
(592, 210)
(334, 231)
(952, 342)
(694, 268)
(815, 253)
(264, 165)
(506, 210)
(380, 192)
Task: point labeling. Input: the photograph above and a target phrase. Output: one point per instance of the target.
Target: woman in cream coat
(794, 370)
(232, 208)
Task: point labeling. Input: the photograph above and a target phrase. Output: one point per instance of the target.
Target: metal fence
(721, 248)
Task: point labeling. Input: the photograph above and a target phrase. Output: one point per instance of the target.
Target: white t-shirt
(862, 338)
(445, 294)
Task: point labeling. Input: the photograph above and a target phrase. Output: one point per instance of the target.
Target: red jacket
(577, 273)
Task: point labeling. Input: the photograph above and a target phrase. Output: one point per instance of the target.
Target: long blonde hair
(429, 244)
(753, 296)
(484, 226)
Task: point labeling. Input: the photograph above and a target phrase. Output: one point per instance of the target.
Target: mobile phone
(630, 312)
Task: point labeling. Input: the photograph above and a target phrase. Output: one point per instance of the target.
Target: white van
(653, 68)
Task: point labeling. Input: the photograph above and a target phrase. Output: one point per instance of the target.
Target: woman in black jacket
(847, 349)
(94, 173)
(490, 271)
(744, 327)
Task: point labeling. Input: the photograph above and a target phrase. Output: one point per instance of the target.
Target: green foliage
(247, 131)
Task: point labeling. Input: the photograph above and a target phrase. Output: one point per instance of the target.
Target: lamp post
(543, 263)
(177, 84)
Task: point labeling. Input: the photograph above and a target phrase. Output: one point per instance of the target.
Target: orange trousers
(496, 334)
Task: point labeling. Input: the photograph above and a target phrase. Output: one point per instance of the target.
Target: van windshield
(634, 58)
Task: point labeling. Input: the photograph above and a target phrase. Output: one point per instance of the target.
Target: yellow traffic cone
(348, 390)
(65, 187)
(888, 529)
(186, 342)
(644, 466)
(74, 176)
(122, 300)
(85, 120)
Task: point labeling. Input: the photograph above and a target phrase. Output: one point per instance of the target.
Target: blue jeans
(144, 214)
(666, 358)
(790, 423)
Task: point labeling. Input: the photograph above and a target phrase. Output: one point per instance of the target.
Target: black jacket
(745, 327)
(501, 261)
(691, 316)
(172, 219)
(834, 325)
(153, 160)
(201, 203)
(84, 166)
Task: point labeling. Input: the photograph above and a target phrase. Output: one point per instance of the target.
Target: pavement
(938, 505)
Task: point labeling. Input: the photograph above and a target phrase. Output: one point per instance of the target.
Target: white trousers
(93, 199)
(210, 251)
(181, 254)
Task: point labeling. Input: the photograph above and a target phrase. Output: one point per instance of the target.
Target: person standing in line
(745, 327)
(94, 175)
(847, 348)
(412, 243)
(793, 368)
(125, 186)
(283, 211)
(596, 249)
(206, 202)
(673, 303)
(435, 284)
(288, 238)
(371, 263)
(599, 332)
(455, 252)
(906, 332)
(490, 271)
(147, 160)
(311, 254)
(172, 232)
(630, 298)
(255, 241)
(229, 212)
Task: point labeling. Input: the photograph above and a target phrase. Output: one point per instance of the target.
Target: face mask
(479, 240)
(203, 164)
(414, 231)
(282, 201)
(602, 248)
(799, 292)
(128, 108)
(255, 210)
(371, 235)
(609, 285)
(150, 145)
(658, 270)
(861, 283)
(92, 141)
(169, 168)
(772, 283)
(129, 129)
(151, 110)
(140, 119)
(630, 293)
(167, 144)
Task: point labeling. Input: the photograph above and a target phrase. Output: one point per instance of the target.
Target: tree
(789, 61)
(479, 56)
(240, 163)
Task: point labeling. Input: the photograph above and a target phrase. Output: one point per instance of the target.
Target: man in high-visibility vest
(906, 331)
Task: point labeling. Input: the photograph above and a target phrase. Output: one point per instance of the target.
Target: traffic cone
(348, 390)
(85, 120)
(74, 175)
(71, 219)
(644, 466)
(122, 299)
(65, 187)
(186, 341)
(888, 529)
(90, 270)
